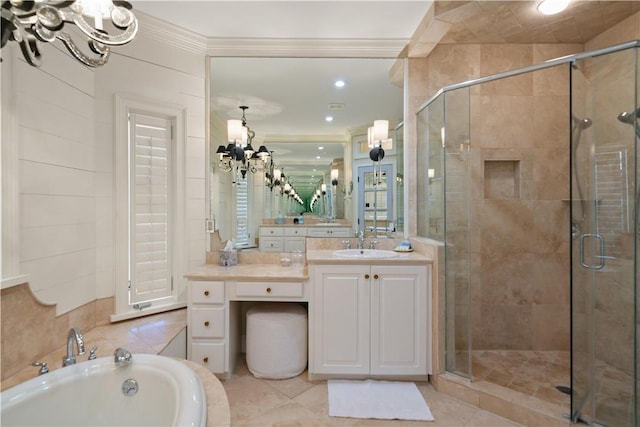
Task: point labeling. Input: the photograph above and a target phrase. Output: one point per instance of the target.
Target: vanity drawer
(271, 244)
(269, 290)
(209, 355)
(207, 322)
(295, 232)
(207, 292)
(272, 231)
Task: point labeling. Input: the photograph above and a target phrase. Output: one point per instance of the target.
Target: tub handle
(122, 357)
(43, 367)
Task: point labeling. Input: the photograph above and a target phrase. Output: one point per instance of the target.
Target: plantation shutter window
(241, 189)
(150, 213)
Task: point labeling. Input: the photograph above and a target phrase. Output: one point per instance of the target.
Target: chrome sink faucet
(372, 244)
(361, 239)
(73, 335)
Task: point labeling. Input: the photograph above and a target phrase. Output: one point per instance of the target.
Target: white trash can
(276, 340)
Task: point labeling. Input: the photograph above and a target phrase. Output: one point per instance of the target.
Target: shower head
(628, 118)
(582, 123)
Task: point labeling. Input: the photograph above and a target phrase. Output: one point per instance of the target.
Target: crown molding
(190, 41)
(170, 34)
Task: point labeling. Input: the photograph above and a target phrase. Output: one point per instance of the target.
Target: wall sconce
(334, 177)
(31, 22)
(378, 139)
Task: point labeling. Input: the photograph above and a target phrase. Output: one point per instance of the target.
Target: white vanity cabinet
(207, 325)
(272, 239)
(216, 308)
(294, 239)
(369, 320)
(329, 231)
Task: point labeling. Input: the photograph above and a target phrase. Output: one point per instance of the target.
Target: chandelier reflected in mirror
(31, 22)
(239, 155)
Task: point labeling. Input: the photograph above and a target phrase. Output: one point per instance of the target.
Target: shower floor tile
(534, 373)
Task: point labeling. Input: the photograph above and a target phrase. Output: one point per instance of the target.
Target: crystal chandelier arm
(13, 30)
(120, 17)
(102, 58)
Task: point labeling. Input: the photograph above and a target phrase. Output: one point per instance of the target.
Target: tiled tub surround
(150, 335)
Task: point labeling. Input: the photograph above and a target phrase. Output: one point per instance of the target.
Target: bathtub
(92, 393)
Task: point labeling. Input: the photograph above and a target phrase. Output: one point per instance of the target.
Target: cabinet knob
(206, 293)
(206, 323)
(205, 360)
(268, 290)
(375, 276)
(366, 276)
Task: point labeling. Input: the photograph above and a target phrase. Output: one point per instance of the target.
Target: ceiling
(289, 98)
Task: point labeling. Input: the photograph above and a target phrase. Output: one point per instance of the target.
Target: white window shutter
(241, 189)
(150, 208)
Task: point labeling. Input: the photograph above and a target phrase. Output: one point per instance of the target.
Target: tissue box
(228, 258)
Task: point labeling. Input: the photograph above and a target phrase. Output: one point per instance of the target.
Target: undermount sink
(365, 253)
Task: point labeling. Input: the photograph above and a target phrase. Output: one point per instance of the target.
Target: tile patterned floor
(534, 373)
(299, 402)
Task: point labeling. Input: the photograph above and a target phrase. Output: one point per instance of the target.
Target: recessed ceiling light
(321, 148)
(551, 7)
(328, 119)
(339, 83)
(317, 157)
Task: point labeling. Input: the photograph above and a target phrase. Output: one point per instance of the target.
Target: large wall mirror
(312, 127)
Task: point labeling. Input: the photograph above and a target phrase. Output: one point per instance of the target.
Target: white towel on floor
(385, 400)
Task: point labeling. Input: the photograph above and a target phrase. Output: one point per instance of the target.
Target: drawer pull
(205, 360)
(268, 290)
(206, 293)
(206, 323)
(366, 276)
(375, 276)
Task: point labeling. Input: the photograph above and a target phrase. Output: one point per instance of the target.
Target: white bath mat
(386, 400)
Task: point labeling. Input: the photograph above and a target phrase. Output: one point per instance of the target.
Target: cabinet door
(399, 307)
(271, 244)
(340, 319)
(294, 244)
(210, 355)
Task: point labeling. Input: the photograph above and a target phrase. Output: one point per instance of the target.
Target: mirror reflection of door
(375, 199)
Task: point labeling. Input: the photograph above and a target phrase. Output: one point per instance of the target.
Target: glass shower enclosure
(535, 195)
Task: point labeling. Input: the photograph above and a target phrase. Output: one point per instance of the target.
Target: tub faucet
(122, 356)
(73, 335)
(361, 239)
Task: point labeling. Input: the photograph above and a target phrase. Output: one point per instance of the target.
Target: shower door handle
(602, 258)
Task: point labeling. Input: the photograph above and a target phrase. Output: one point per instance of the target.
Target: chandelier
(31, 22)
(239, 156)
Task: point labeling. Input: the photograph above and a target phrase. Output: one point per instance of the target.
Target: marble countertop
(326, 256)
(249, 272)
